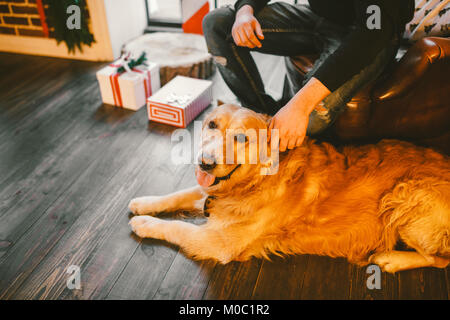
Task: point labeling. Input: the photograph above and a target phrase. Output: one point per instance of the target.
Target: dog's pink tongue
(204, 178)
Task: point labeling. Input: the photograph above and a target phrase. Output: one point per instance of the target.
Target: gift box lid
(112, 68)
(180, 91)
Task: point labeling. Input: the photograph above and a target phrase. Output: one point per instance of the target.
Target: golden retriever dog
(353, 202)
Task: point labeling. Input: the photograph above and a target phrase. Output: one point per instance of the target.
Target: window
(166, 15)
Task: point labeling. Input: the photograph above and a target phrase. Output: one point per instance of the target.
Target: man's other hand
(246, 29)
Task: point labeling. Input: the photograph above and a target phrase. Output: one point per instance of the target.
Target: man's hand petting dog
(246, 29)
(291, 121)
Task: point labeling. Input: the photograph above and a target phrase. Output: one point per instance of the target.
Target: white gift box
(180, 101)
(129, 89)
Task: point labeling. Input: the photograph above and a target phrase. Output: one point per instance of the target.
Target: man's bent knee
(218, 20)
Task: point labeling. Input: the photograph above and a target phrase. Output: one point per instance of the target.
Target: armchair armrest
(419, 58)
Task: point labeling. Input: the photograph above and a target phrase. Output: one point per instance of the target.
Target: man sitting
(356, 40)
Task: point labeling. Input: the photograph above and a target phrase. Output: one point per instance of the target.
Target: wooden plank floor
(68, 167)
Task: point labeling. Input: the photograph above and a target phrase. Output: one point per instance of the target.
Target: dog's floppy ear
(266, 118)
(269, 152)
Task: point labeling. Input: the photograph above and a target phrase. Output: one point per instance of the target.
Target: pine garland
(57, 18)
(133, 63)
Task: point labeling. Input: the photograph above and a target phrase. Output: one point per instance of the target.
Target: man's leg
(288, 30)
(324, 116)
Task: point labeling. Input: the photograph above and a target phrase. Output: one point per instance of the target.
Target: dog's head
(234, 145)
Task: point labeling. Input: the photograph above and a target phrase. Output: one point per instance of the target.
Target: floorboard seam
(123, 269)
(257, 279)
(165, 275)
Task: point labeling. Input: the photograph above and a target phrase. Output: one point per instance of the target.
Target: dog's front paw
(146, 205)
(144, 226)
(386, 261)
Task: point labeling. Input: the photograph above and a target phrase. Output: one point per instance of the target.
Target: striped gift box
(180, 101)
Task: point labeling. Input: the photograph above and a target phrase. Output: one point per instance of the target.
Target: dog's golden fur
(355, 202)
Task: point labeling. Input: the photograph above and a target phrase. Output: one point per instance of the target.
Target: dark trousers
(288, 30)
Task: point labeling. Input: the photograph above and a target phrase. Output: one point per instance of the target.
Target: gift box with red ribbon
(127, 83)
(180, 101)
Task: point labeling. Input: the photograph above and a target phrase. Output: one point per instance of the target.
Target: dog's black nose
(207, 166)
(207, 162)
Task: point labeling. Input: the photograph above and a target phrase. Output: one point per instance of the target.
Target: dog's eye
(212, 125)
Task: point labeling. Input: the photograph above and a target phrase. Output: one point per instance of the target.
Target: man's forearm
(245, 9)
(361, 45)
(310, 95)
(255, 4)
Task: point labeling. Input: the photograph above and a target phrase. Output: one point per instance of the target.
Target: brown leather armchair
(411, 101)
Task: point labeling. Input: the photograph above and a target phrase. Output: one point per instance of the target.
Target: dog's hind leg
(393, 261)
(191, 199)
(418, 212)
